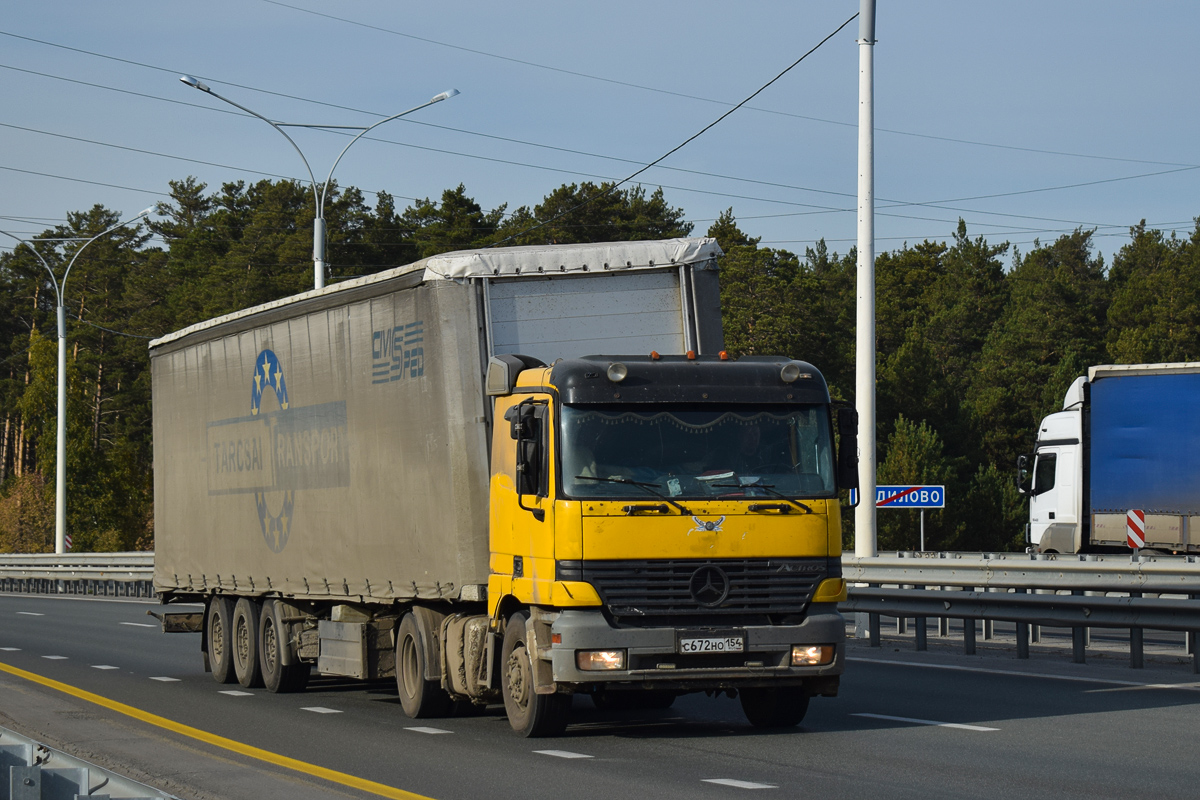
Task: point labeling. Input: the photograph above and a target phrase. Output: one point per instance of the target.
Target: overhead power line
(687, 96)
(688, 140)
(658, 90)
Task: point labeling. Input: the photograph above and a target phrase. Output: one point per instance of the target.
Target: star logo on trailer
(276, 526)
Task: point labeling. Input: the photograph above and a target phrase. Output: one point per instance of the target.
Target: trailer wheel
(277, 676)
(774, 706)
(245, 643)
(530, 714)
(219, 622)
(420, 699)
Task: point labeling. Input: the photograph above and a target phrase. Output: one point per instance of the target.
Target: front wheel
(774, 706)
(530, 714)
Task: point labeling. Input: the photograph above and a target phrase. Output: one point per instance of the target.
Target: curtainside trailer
(505, 476)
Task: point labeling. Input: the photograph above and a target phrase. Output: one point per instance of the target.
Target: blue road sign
(906, 496)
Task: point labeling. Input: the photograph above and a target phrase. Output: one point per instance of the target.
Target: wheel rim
(408, 667)
(216, 638)
(270, 651)
(516, 678)
(243, 641)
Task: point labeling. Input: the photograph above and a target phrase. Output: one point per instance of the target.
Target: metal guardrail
(1057, 591)
(30, 770)
(102, 574)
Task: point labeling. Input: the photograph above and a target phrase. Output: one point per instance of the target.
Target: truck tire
(218, 624)
(277, 676)
(245, 643)
(530, 714)
(420, 698)
(774, 706)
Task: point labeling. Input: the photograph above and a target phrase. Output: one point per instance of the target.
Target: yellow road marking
(218, 741)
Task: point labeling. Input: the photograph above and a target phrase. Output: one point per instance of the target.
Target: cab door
(522, 502)
(1043, 495)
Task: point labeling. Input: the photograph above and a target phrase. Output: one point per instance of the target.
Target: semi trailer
(1127, 439)
(505, 476)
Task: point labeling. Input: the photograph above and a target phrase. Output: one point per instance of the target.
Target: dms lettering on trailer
(398, 352)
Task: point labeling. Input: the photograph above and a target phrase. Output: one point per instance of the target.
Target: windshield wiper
(650, 487)
(768, 489)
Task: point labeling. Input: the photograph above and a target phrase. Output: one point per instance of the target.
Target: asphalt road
(923, 725)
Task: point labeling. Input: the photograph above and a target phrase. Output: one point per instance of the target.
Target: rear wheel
(774, 706)
(219, 624)
(530, 714)
(245, 643)
(419, 698)
(277, 676)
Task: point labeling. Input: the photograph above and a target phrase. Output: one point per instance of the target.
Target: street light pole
(864, 389)
(60, 287)
(319, 195)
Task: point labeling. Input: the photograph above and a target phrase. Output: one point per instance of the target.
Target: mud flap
(537, 632)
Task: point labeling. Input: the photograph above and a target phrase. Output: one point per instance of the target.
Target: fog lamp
(812, 655)
(591, 660)
(617, 372)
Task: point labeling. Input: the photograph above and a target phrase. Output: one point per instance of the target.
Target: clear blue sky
(1065, 93)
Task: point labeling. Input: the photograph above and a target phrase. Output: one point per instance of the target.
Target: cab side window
(1043, 477)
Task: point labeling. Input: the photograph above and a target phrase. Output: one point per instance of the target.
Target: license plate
(712, 643)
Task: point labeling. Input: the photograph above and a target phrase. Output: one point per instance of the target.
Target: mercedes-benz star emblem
(709, 586)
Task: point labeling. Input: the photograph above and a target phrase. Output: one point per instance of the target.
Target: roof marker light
(691, 354)
(790, 372)
(617, 372)
(654, 356)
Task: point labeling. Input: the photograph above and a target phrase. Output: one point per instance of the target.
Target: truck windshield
(696, 451)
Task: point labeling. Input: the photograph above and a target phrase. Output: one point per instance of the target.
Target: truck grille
(734, 591)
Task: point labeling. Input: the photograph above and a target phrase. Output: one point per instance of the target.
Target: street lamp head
(145, 212)
(195, 83)
(444, 96)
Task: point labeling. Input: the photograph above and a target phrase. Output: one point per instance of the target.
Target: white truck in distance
(1128, 438)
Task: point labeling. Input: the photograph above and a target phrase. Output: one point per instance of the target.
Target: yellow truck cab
(661, 525)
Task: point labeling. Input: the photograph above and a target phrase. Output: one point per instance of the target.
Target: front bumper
(653, 662)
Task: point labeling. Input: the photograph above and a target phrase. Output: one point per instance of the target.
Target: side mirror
(847, 467)
(526, 426)
(1025, 473)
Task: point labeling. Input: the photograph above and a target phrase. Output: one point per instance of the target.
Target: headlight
(812, 655)
(600, 659)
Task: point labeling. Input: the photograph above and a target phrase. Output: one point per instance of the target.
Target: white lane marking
(11, 649)
(427, 730)
(56, 658)
(103, 666)
(1144, 686)
(1022, 674)
(321, 710)
(738, 784)
(30, 614)
(139, 624)
(166, 680)
(561, 754)
(958, 725)
(236, 693)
